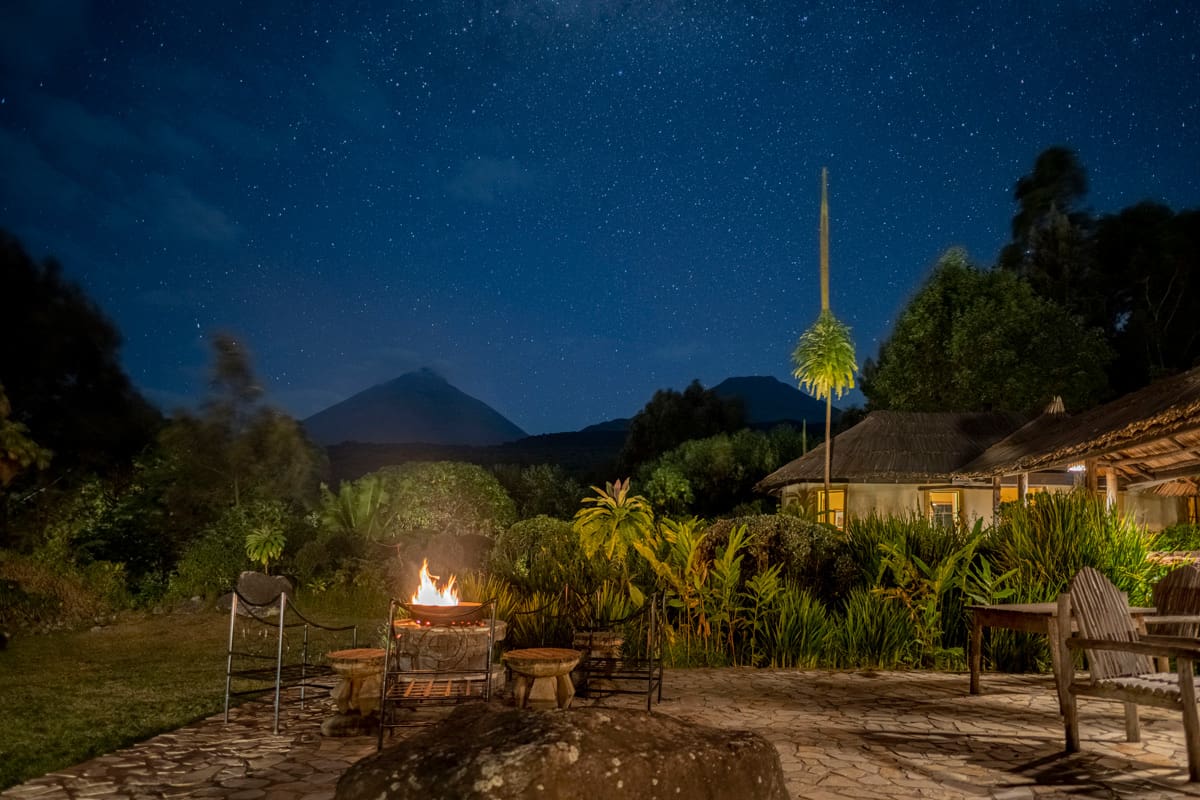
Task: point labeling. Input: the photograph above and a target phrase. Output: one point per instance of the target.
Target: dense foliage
(716, 475)
(1133, 274)
(672, 418)
(964, 343)
(61, 371)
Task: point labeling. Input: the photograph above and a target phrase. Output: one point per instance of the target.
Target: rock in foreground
(482, 751)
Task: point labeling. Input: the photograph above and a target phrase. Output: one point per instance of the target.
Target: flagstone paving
(839, 735)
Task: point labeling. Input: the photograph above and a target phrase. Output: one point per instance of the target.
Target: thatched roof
(897, 447)
(1151, 437)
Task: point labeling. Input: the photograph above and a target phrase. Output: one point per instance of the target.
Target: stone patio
(839, 735)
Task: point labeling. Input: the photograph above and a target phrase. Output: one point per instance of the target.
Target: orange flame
(428, 593)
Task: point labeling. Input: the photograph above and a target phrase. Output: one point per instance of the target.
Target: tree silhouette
(59, 364)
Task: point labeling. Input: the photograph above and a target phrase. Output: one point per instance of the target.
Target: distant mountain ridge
(422, 408)
(421, 417)
(418, 407)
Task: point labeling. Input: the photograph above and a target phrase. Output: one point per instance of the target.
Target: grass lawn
(69, 696)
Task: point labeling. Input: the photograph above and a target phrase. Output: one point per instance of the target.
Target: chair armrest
(1174, 619)
(1171, 646)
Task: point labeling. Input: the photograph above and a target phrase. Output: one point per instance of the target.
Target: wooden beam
(1090, 475)
(996, 500)
(1110, 487)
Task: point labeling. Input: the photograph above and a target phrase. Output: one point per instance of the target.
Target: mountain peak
(767, 399)
(418, 406)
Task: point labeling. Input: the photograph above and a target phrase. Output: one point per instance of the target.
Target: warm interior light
(428, 594)
(1077, 468)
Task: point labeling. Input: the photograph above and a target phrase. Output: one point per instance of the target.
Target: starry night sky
(560, 206)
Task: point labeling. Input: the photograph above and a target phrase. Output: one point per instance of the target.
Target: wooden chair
(1178, 595)
(1120, 665)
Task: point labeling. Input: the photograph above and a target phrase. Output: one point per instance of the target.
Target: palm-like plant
(824, 359)
(825, 365)
(360, 509)
(611, 522)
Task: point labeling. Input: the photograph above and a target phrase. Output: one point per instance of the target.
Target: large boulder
(263, 590)
(260, 591)
(485, 751)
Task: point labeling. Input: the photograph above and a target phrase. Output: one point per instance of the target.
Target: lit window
(943, 509)
(837, 507)
(1008, 494)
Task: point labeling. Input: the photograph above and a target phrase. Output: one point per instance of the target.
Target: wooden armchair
(1177, 602)
(1120, 664)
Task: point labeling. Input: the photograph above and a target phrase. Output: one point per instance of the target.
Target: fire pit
(442, 632)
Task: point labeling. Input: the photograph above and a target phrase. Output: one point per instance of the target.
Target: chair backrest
(1178, 594)
(1102, 612)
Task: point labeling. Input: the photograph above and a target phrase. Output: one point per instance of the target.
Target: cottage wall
(904, 499)
(1151, 510)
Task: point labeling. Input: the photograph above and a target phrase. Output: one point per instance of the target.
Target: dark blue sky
(561, 206)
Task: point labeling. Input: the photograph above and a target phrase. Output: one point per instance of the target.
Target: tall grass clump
(1055, 535)
(799, 632)
(874, 631)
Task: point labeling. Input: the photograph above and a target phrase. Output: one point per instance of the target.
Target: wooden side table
(541, 666)
(1029, 617)
(359, 671)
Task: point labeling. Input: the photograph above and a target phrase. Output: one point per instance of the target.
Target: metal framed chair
(623, 656)
(436, 663)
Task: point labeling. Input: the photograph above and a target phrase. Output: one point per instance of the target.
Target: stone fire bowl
(440, 615)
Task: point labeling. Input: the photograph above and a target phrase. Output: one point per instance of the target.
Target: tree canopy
(60, 368)
(671, 418)
(1134, 274)
(237, 449)
(974, 340)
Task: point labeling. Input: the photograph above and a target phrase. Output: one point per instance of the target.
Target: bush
(806, 551)
(37, 594)
(543, 555)
(210, 565)
(1184, 536)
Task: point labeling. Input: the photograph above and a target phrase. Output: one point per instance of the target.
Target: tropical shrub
(610, 526)
(1057, 534)
(211, 564)
(931, 593)
(544, 554)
